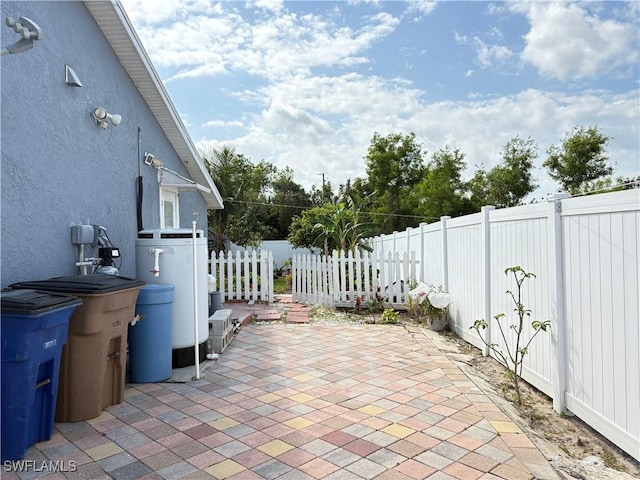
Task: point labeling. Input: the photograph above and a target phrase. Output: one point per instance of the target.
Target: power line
(265, 204)
(634, 183)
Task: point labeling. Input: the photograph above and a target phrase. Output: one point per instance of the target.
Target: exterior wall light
(29, 32)
(100, 115)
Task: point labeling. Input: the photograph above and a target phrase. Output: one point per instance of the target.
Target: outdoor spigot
(156, 261)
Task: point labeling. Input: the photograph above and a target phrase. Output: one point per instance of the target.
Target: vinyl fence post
(486, 269)
(445, 255)
(394, 244)
(270, 285)
(557, 304)
(423, 263)
(407, 232)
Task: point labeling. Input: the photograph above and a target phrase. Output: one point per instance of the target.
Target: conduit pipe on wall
(139, 194)
(84, 263)
(195, 298)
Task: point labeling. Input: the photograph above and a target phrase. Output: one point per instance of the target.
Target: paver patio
(303, 401)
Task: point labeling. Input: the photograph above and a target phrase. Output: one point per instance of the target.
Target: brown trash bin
(93, 364)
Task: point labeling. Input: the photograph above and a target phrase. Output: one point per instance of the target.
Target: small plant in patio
(357, 307)
(376, 304)
(390, 316)
(373, 305)
(513, 358)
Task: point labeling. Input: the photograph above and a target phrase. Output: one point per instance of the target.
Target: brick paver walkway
(289, 401)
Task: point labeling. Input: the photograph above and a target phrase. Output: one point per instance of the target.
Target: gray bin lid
(33, 302)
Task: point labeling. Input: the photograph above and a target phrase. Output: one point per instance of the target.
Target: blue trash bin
(34, 330)
(150, 339)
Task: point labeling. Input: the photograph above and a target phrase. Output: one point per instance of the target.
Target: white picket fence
(585, 252)
(244, 275)
(343, 279)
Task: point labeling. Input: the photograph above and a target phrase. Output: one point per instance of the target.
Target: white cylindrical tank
(165, 257)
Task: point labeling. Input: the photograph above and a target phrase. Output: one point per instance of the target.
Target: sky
(306, 84)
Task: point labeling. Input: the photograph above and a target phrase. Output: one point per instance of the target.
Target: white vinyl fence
(281, 250)
(244, 275)
(585, 254)
(345, 279)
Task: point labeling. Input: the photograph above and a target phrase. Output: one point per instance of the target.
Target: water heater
(165, 257)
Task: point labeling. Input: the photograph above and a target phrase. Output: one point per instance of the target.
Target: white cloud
(272, 5)
(487, 55)
(369, 2)
(496, 9)
(222, 123)
(197, 43)
(566, 42)
(495, 32)
(185, 120)
(149, 12)
(423, 7)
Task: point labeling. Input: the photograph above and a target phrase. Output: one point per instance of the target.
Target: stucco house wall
(59, 167)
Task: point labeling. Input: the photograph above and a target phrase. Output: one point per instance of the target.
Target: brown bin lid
(82, 284)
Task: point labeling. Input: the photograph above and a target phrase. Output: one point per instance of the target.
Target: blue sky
(306, 84)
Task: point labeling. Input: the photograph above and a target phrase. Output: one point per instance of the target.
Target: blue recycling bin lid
(96, 284)
(33, 302)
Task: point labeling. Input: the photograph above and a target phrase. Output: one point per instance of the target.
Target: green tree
(506, 184)
(241, 184)
(320, 196)
(287, 200)
(478, 188)
(358, 191)
(334, 226)
(581, 158)
(394, 166)
(302, 231)
(442, 191)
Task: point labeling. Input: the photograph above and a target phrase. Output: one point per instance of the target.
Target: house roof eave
(119, 32)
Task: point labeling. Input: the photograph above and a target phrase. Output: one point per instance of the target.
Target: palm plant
(341, 228)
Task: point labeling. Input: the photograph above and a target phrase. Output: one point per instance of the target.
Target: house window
(169, 209)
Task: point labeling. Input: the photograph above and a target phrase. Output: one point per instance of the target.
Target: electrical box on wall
(82, 234)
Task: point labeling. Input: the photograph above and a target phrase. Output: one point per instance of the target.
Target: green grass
(280, 286)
